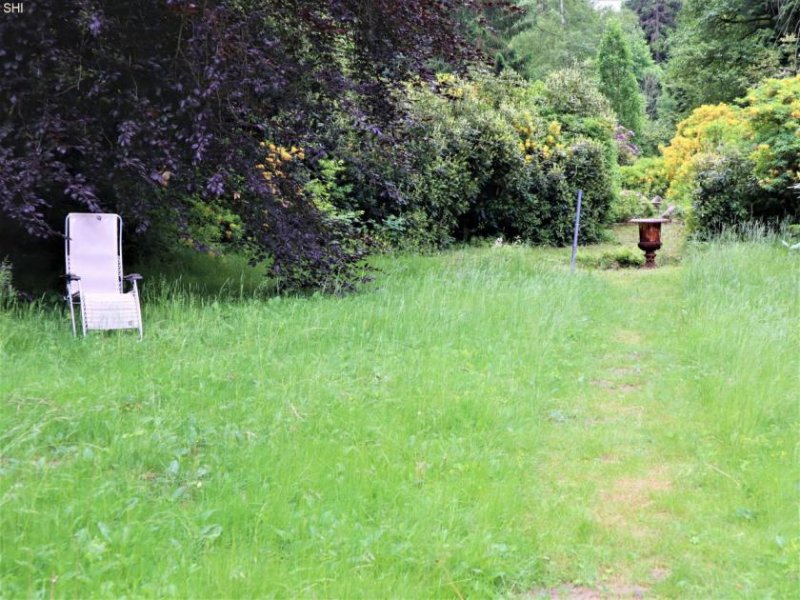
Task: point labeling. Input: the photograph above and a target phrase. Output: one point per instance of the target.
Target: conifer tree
(617, 78)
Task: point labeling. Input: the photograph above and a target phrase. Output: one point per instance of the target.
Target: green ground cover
(475, 424)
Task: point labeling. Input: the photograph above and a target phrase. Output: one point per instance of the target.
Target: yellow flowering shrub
(709, 130)
(539, 140)
(755, 176)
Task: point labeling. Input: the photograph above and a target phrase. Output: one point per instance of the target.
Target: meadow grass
(477, 423)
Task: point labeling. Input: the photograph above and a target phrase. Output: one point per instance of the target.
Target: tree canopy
(723, 47)
(145, 107)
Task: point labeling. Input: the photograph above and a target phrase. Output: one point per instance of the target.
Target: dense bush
(773, 114)
(755, 177)
(574, 94)
(646, 176)
(726, 194)
(482, 155)
(630, 205)
(496, 156)
(708, 131)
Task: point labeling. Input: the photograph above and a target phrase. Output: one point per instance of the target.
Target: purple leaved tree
(134, 107)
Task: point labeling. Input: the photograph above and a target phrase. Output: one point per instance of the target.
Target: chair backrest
(93, 249)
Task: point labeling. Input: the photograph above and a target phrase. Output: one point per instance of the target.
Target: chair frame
(74, 298)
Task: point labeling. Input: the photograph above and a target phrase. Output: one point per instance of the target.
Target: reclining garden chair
(93, 247)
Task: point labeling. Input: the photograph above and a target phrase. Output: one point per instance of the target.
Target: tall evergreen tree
(617, 79)
(658, 19)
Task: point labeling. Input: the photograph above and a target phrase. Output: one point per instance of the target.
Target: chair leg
(138, 309)
(84, 318)
(72, 317)
(71, 312)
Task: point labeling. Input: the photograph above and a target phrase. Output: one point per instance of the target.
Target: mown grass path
(674, 450)
(606, 453)
(476, 424)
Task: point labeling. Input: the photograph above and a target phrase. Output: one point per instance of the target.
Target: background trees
(292, 131)
(554, 34)
(729, 104)
(722, 47)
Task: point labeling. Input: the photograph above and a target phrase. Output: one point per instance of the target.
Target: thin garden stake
(577, 227)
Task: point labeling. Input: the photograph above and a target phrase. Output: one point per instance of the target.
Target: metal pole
(577, 228)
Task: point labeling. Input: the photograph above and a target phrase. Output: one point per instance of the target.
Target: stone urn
(649, 239)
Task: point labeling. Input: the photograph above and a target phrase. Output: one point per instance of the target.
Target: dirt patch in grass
(629, 387)
(623, 506)
(602, 383)
(660, 573)
(629, 337)
(610, 459)
(617, 411)
(625, 372)
(624, 388)
(607, 590)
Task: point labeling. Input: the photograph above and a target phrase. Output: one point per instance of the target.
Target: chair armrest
(133, 277)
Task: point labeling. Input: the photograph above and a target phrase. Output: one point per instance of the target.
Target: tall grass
(736, 334)
(418, 439)
(334, 446)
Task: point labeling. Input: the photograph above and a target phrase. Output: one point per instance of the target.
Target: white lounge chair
(93, 248)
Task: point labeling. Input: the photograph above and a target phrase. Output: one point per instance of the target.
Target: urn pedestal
(649, 239)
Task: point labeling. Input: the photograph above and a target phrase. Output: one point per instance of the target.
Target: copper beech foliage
(133, 106)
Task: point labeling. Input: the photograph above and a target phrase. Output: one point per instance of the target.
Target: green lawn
(478, 423)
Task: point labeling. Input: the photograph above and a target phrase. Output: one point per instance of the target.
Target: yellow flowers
(445, 79)
(546, 148)
(454, 87)
(705, 131)
(276, 159)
